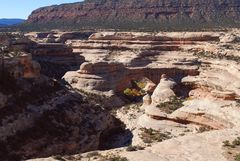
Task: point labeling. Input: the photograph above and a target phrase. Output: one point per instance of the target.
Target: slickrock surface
(201, 70)
(188, 85)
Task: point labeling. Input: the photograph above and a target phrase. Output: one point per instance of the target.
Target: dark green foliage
(93, 154)
(205, 54)
(180, 23)
(203, 129)
(226, 143)
(235, 142)
(173, 104)
(114, 158)
(238, 102)
(150, 135)
(134, 148)
(237, 157)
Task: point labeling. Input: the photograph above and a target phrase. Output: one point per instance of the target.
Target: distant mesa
(139, 14)
(10, 22)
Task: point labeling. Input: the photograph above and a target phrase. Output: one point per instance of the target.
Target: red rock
(102, 13)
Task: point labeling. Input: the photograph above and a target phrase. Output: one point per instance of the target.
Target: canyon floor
(120, 96)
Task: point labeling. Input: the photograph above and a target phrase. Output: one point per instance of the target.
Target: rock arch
(111, 76)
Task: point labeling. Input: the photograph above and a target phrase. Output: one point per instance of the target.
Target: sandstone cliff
(136, 14)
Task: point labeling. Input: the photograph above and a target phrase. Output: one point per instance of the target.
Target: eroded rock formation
(190, 84)
(39, 113)
(198, 90)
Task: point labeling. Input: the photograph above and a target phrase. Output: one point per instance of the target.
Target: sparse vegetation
(226, 143)
(113, 158)
(59, 157)
(93, 154)
(70, 157)
(207, 54)
(203, 129)
(235, 142)
(232, 148)
(238, 102)
(134, 148)
(135, 92)
(135, 107)
(150, 135)
(98, 99)
(237, 157)
(172, 105)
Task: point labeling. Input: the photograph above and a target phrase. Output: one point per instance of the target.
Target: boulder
(150, 86)
(164, 91)
(147, 100)
(229, 38)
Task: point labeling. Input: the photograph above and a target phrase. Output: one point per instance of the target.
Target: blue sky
(22, 8)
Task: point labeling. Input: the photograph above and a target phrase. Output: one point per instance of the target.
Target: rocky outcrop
(135, 14)
(190, 82)
(39, 113)
(69, 116)
(105, 77)
(181, 37)
(55, 57)
(164, 91)
(203, 147)
(221, 81)
(230, 38)
(57, 37)
(22, 66)
(51, 49)
(212, 99)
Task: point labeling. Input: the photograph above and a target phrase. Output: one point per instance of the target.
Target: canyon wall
(135, 14)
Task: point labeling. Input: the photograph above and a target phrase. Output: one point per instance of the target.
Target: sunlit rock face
(22, 66)
(141, 14)
(186, 89)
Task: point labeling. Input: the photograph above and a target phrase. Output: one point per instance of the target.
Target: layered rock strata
(144, 14)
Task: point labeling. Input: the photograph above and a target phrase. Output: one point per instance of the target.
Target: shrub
(133, 92)
(235, 142)
(150, 135)
(203, 129)
(226, 143)
(238, 102)
(93, 154)
(140, 84)
(113, 158)
(58, 157)
(134, 148)
(237, 157)
(172, 105)
(207, 54)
